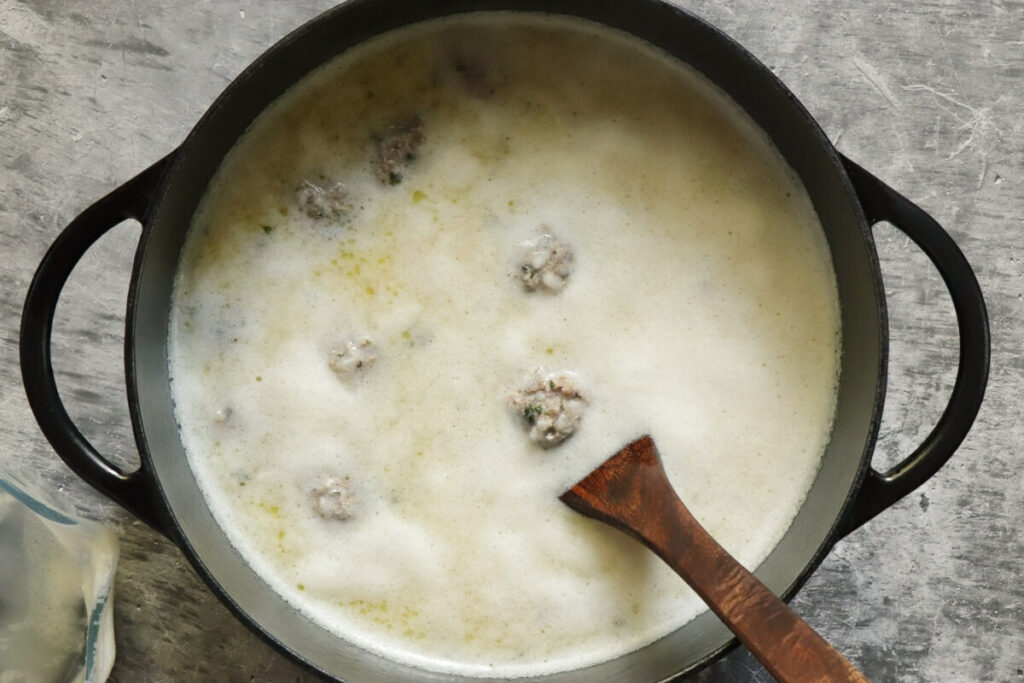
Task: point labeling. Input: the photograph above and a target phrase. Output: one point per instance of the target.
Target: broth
(421, 243)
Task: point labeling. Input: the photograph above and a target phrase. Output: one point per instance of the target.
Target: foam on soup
(415, 263)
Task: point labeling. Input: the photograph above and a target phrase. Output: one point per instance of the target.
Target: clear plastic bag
(56, 599)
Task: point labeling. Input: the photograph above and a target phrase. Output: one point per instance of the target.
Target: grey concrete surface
(927, 95)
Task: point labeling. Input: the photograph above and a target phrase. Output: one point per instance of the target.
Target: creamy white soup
(454, 270)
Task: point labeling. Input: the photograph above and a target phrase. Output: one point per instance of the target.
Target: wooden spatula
(631, 493)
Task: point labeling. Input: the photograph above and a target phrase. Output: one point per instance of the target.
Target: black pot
(846, 493)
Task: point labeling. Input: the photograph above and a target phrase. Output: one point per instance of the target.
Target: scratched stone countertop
(927, 95)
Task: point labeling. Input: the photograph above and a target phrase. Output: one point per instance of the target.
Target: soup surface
(451, 272)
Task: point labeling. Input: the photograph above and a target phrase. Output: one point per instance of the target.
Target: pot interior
(748, 82)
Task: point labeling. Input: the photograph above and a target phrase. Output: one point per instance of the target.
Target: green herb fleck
(551, 384)
(532, 412)
(267, 228)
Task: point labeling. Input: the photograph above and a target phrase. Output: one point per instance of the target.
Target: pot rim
(180, 159)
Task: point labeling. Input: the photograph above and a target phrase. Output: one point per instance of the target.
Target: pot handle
(137, 491)
(881, 490)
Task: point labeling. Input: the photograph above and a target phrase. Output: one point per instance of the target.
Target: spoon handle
(632, 493)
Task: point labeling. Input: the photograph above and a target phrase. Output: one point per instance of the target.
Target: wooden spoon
(631, 493)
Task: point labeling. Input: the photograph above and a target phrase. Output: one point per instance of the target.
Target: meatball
(334, 500)
(550, 407)
(352, 357)
(316, 201)
(396, 148)
(547, 264)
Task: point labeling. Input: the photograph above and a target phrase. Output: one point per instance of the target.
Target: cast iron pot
(163, 492)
